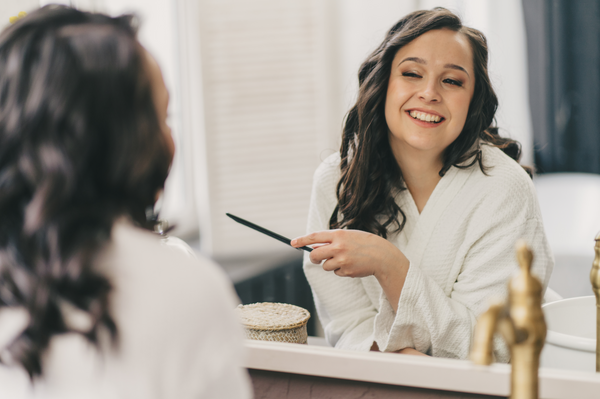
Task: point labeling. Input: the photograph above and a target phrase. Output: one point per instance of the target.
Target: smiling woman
(418, 214)
(427, 101)
(433, 89)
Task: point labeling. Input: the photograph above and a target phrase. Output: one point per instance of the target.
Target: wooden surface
(275, 385)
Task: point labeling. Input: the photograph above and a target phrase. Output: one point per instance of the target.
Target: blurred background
(259, 90)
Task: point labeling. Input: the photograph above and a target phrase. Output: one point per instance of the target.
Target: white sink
(571, 339)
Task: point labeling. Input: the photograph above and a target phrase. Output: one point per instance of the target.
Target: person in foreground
(91, 304)
(417, 217)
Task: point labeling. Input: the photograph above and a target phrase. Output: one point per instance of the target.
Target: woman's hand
(411, 351)
(355, 253)
(350, 253)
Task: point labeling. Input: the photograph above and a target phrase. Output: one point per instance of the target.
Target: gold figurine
(595, 279)
(521, 323)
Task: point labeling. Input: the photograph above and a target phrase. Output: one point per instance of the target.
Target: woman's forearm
(391, 279)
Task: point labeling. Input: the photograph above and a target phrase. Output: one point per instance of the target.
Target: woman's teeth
(422, 116)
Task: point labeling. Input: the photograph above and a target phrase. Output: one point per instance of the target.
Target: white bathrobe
(461, 249)
(178, 333)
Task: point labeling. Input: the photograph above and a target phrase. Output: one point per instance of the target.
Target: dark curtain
(563, 41)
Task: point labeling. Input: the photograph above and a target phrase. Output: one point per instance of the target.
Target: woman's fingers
(334, 262)
(348, 253)
(335, 251)
(321, 237)
(321, 253)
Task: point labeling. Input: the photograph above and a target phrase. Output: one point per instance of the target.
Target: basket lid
(272, 316)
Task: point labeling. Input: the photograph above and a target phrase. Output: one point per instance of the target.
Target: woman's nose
(429, 92)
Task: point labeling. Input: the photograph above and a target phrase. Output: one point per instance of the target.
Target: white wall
(10, 8)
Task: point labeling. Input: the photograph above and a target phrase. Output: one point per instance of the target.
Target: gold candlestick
(521, 323)
(595, 279)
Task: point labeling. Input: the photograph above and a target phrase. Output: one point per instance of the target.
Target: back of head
(80, 146)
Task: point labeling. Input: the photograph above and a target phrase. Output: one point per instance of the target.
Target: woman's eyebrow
(457, 67)
(414, 59)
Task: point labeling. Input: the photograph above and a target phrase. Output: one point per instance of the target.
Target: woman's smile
(424, 118)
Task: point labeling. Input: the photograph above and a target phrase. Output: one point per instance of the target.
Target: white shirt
(178, 335)
(461, 249)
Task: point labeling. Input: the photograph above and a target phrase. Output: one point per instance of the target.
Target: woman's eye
(453, 82)
(411, 75)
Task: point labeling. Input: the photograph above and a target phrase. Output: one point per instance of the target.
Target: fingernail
(294, 241)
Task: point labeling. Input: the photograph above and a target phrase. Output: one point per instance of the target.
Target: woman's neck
(420, 172)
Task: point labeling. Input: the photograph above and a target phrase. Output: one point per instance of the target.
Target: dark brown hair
(80, 146)
(370, 176)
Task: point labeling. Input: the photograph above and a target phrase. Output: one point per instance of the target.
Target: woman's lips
(425, 119)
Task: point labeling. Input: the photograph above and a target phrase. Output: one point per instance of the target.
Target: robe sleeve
(347, 319)
(442, 325)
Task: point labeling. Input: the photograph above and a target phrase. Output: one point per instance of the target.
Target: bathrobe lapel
(423, 225)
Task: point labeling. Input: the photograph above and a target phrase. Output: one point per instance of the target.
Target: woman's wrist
(394, 266)
(391, 276)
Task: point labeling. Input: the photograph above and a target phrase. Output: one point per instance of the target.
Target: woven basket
(281, 322)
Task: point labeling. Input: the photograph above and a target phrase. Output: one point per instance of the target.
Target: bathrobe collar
(419, 227)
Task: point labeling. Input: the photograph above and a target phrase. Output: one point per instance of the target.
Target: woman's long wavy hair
(80, 146)
(370, 176)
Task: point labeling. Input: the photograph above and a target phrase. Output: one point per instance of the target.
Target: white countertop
(414, 371)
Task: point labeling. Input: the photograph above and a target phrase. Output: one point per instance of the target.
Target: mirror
(277, 80)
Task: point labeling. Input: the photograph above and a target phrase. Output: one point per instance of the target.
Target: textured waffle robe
(461, 250)
(178, 334)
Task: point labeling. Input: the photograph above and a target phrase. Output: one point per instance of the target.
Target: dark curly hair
(370, 176)
(80, 147)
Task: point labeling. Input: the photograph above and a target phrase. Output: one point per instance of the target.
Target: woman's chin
(423, 146)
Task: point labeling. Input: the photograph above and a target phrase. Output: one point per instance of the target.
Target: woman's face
(430, 88)
(160, 96)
